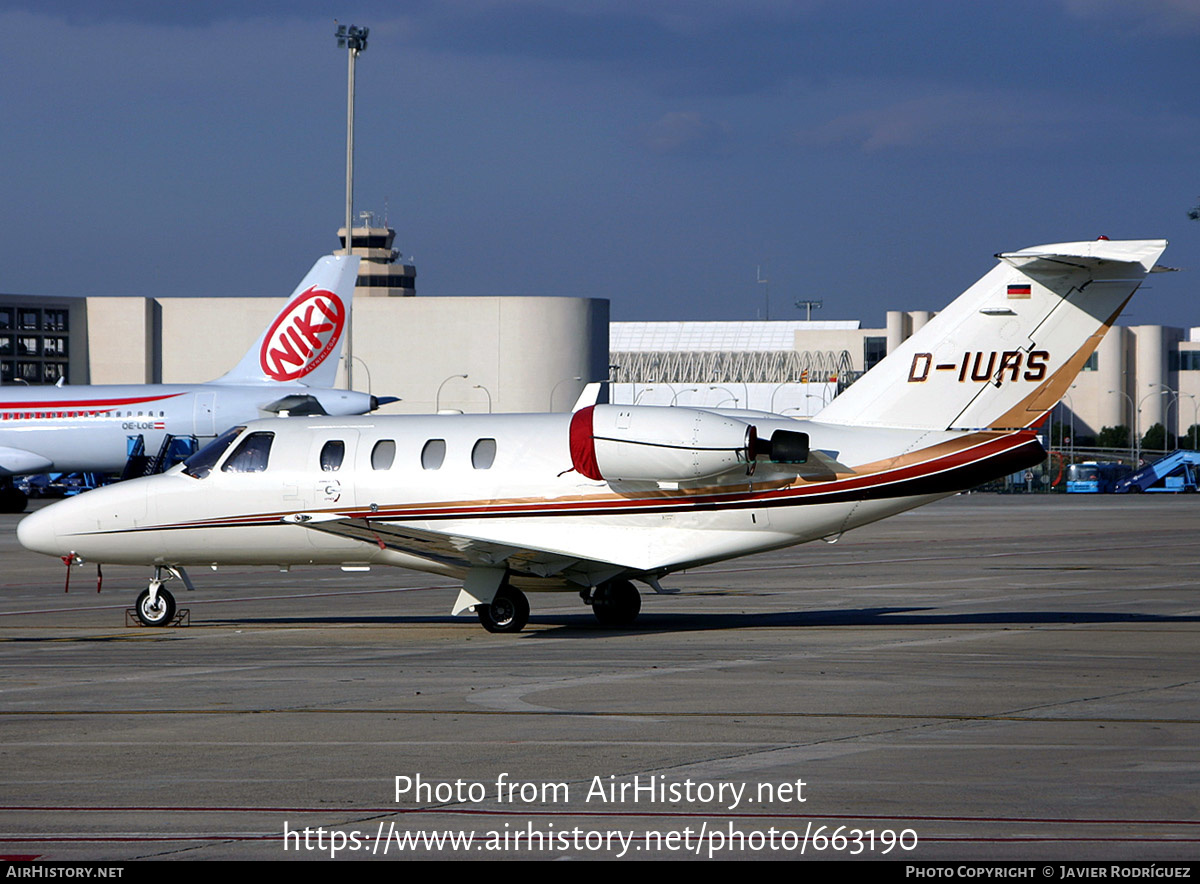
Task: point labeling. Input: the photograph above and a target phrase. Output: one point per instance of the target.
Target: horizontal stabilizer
(296, 405)
(1136, 255)
(1003, 353)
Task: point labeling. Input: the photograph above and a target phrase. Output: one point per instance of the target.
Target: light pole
(681, 392)
(1167, 412)
(766, 284)
(355, 40)
(1139, 423)
(731, 396)
(487, 392)
(642, 392)
(1132, 417)
(778, 387)
(365, 368)
(1193, 440)
(1071, 405)
(554, 389)
(808, 305)
(437, 400)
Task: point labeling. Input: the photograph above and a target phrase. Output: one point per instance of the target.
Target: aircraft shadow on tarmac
(585, 626)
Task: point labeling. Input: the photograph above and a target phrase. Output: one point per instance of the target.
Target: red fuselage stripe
(467, 510)
(85, 403)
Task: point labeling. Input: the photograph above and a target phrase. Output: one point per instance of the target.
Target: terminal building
(522, 354)
(1139, 376)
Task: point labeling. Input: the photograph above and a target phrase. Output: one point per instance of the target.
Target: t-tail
(303, 344)
(1006, 350)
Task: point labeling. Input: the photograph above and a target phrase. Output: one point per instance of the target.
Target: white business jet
(593, 500)
(290, 368)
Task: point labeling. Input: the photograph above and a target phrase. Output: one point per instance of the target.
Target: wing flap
(447, 547)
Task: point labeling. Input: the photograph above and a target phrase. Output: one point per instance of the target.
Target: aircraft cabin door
(330, 468)
(204, 414)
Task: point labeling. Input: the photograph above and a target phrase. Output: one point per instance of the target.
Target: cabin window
(483, 455)
(201, 463)
(383, 454)
(332, 455)
(251, 456)
(433, 454)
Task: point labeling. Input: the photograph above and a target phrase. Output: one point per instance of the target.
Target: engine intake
(651, 443)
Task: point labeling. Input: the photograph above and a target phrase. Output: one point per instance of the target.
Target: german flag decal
(1019, 290)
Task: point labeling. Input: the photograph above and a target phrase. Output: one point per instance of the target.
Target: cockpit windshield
(201, 463)
(251, 456)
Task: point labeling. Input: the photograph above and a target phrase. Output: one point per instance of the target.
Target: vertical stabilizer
(1004, 352)
(303, 343)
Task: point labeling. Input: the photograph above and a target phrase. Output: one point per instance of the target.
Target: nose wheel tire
(508, 611)
(616, 603)
(157, 614)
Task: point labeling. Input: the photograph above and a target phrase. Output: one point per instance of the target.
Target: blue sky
(871, 154)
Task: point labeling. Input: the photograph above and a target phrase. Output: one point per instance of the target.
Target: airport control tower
(381, 272)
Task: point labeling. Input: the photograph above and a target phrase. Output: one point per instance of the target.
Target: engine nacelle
(652, 443)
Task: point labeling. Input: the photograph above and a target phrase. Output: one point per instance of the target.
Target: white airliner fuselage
(290, 368)
(87, 428)
(609, 494)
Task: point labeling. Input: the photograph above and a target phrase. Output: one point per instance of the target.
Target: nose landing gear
(155, 606)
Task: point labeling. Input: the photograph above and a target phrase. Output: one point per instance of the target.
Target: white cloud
(1151, 16)
(982, 121)
(686, 132)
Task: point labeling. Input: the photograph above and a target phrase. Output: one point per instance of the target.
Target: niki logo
(303, 335)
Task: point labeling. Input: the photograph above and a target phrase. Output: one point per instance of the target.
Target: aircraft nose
(37, 532)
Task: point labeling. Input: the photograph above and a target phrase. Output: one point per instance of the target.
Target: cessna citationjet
(291, 367)
(610, 494)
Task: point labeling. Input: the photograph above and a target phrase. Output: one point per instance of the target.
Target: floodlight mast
(355, 40)
(809, 306)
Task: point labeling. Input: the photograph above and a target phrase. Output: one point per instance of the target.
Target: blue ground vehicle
(1095, 477)
(1176, 472)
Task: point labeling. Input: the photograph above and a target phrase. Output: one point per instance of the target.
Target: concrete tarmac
(989, 677)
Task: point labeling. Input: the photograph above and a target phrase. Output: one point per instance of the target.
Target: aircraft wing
(459, 549)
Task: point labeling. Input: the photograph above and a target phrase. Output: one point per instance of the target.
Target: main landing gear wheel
(158, 613)
(616, 603)
(508, 611)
